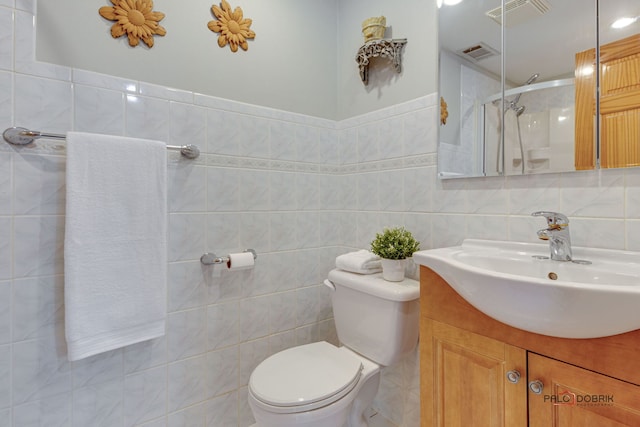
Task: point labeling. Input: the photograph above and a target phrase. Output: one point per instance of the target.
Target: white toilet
(321, 385)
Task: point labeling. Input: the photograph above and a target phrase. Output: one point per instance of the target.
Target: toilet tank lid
(374, 284)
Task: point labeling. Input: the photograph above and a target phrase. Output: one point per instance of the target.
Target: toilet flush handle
(330, 284)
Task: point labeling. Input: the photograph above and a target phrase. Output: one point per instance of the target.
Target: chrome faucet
(557, 233)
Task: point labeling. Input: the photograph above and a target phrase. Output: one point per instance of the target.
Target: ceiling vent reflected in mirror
(519, 11)
(478, 52)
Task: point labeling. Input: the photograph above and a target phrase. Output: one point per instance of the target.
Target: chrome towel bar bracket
(23, 136)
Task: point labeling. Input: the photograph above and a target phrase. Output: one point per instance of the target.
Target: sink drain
(552, 276)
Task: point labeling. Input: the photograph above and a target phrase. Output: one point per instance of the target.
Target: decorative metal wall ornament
(136, 19)
(232, 26)
(386, 48)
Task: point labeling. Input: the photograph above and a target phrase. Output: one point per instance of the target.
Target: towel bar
(23, 136)
(211, 258)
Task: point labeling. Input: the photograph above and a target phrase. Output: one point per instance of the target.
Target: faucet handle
(554, 219)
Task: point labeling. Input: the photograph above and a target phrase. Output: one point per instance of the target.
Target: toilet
(321, 385)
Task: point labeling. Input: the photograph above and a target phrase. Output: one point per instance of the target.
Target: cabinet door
(585, 110)
(620, 103)
(573, 396)
(464, 379)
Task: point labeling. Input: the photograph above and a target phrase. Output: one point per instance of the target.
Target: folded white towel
(115, 242)
(362, 261)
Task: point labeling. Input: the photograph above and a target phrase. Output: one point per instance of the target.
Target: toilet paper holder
(210, 258)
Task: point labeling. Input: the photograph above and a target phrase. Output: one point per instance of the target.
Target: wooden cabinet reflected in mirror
(619, 105)
(585, 128)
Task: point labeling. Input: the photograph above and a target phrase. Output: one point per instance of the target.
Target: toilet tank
(374, 317)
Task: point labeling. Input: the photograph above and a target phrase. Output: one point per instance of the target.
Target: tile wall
(388, 167)
(298, 189)
(281, 183)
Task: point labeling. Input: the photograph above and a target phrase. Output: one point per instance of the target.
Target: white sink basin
(510, 283)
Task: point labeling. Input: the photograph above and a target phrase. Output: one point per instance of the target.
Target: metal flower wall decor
(232, 26)
(136, 19)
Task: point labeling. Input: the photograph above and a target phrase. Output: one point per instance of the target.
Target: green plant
(394, 243)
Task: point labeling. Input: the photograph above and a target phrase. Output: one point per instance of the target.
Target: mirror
(511, 114)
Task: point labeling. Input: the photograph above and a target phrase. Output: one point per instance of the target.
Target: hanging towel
(115, 242)
(362, 261)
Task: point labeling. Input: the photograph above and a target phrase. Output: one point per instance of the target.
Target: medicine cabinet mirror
(510, 90)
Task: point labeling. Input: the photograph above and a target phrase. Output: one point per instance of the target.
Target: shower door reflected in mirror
(531, 130)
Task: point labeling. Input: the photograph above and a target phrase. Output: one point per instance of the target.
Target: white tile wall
(257, 184)
(298, 189)
(103, 110)
(44, 102)
(145, 394)
(6, 39)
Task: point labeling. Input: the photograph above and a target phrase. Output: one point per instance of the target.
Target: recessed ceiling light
(623, 22)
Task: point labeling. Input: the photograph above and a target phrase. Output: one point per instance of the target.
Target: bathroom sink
(517, 284)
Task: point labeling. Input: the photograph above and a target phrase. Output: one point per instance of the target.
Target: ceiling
(545, 43)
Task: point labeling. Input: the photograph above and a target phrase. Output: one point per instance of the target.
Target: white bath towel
(362, 261)
(115, 242)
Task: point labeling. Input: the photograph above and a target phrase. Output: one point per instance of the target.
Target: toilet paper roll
(240, 261)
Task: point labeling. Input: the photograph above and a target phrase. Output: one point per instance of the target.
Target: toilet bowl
(321, 385)
(313, 385)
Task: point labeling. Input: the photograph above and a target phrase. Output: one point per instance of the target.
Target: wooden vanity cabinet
(582, 397)
(463, 379)
(470, 365)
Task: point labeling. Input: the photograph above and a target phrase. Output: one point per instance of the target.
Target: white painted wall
(414, 20)
(302, 59)
(290, 65)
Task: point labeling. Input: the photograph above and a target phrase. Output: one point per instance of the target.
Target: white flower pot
(393, 269)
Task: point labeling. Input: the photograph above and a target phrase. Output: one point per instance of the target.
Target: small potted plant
(393, 246)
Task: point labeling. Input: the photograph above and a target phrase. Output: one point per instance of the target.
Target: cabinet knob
(536, 387)
(513, 376)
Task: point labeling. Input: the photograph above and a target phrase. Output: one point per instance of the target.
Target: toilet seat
(304, 378)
